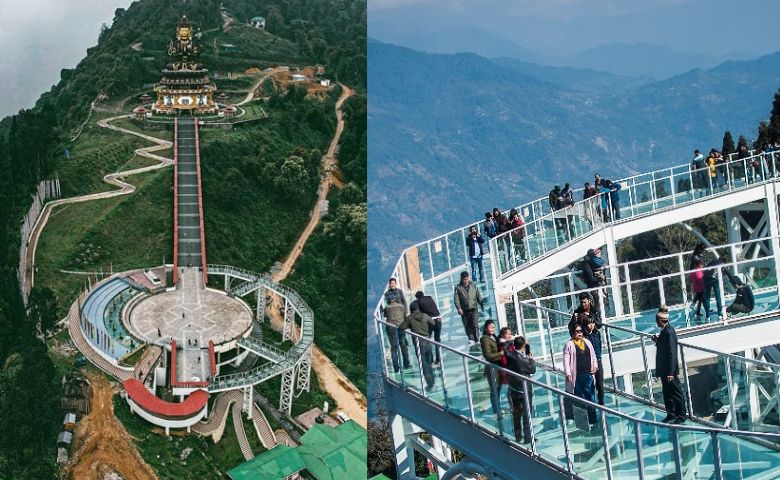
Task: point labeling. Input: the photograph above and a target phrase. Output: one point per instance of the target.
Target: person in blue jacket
(614, 196)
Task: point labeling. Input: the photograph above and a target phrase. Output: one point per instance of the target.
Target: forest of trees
(328, 32)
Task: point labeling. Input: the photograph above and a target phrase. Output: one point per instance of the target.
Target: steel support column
(304, 372)
(246, 406)
(287, 391)
(289, 321)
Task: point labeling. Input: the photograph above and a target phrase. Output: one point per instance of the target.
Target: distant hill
(641, 59)
(454, 135)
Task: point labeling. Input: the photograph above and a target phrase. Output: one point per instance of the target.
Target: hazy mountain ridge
(505, 137)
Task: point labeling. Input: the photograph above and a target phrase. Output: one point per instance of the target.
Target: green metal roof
(327, 453)
(335, 453)
(275, 464)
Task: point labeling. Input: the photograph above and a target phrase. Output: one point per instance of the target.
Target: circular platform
(195, 315)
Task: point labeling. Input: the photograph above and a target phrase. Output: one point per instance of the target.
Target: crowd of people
(582, 354)
(717, 171)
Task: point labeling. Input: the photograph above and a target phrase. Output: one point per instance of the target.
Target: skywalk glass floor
(740, 458)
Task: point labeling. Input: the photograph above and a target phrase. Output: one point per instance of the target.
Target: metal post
(468, 389)
(605, 439)
(716, 460)
(673, 433)
(640, 461)
(732, 408)
(382, 342)
(690, 178)
(550, 339)
(611, 359)
(519, 312)
(416, 342)
(671, 182)
(430, 259)
(681, 266)
(653, 194)
(648, 380)
(687, 381)
(629, 290)
(562, 419)
(661, 292)
(722, 311)
(530, 418)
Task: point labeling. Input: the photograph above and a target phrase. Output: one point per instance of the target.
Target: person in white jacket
(579, 365)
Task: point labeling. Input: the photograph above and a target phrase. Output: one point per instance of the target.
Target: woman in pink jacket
(697, 282)
(579, 365)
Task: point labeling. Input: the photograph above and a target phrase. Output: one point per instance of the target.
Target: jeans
(710, 285)
(397, 338)
(424, 351)
(476, 265)
(616, 209)
(495, 389)
(435, 330)
(584, 388)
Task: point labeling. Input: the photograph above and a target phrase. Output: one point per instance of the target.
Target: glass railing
(639, 195)
(722, 389)
(622, 438)
(629, 289)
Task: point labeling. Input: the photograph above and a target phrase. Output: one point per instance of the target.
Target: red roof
(193, 404)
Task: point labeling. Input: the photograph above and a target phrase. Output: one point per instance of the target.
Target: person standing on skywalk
(467, 299)
(667, 367)
(419, 323)
(428, 306)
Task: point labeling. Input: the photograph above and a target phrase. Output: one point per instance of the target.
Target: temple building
(185, 86)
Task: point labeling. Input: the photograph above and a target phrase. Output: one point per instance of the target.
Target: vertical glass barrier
(457, 248)
(546, 421)
(657, 452)
(585, 438)
(438, 250)
(450, 382)
(709, 389)
(663, 191)
(488, 396)
(682, 183)
(622, 449)
(642, 198)
(740, 374)
(696, 454)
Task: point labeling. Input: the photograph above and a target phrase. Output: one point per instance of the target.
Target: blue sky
(564, 27)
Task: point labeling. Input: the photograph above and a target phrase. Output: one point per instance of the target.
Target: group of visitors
(497, 223)
(716, 171)
(705, 285)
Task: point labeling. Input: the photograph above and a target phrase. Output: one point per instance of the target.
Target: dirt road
(102, 445)
(348, 398)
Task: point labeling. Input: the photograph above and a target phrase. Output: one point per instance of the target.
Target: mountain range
(451, 136)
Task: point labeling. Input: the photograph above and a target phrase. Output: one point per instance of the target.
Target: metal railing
(745, 396)
(679, 185)
(617, 444)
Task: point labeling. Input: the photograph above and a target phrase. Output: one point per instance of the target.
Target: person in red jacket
(697, 284)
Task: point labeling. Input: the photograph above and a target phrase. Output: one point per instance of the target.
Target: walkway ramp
(189, 235)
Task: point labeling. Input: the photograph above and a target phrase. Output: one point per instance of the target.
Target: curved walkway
(238, 426)
(251, 95)
(74, 328)
(263, 428)
(115, 179)
(214, 426)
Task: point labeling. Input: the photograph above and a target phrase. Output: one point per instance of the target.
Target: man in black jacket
(667, 368)
(520, 360)
(428, 306)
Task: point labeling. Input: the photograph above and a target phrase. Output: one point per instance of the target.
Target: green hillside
(252, 213)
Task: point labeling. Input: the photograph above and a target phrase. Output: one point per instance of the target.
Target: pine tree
(742, 142)
(763, 135)
(774, 120)
(728, 144)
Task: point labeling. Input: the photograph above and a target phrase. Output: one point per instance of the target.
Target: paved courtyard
(191, 315)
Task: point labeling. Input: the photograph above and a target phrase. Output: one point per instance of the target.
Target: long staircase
(629, 441)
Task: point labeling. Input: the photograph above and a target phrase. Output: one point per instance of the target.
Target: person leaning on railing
(394, 313)
(419, 323)
(744, 301)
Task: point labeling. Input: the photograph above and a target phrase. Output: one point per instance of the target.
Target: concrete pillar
(404, 454)
(774, 228)
(167, 432)
(614, 272)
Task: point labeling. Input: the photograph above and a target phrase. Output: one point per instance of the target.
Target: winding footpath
(331, 378)
(115, 179)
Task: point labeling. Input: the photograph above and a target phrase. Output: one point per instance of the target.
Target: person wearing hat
(419, 323)
(667, 368)
(490, 228)
(467, 299)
